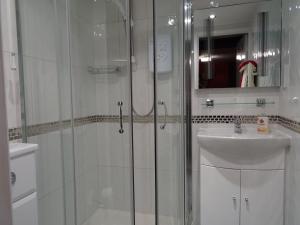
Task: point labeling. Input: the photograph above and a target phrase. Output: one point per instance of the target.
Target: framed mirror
(237, 44)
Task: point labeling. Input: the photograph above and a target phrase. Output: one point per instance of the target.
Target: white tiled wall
(11, 72)
(12, 87)
(291, 108)
(49, 178)
(290, 65)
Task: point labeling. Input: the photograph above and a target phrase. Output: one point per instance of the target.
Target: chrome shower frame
(187, 110)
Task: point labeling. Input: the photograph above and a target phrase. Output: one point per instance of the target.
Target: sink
(223, 138)
(220, 146)
(18, 149)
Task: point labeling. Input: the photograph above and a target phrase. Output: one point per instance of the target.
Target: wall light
(205, 59)
(212, 16)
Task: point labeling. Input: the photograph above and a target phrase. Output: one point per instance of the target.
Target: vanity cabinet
(262, 197)
(241, 197)
(23, 183)
(220, 196)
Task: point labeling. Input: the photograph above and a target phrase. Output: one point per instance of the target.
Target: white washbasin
(18, 149)
(222, 138)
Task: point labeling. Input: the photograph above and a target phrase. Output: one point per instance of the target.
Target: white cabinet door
(262, 197)
(25, 211)
(23, 175)
(220, 196)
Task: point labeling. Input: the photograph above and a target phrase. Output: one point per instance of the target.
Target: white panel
(262, 197)
(220, 196)
(25, 177)
(25, 211)
(164, 62)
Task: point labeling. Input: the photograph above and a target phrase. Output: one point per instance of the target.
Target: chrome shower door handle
(121, 130)
(161, 102)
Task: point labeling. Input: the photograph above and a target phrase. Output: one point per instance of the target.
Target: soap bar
(263, 124)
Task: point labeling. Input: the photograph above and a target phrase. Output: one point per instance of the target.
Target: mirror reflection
(237, 44)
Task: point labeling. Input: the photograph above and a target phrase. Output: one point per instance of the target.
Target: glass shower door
(100, 71)
(169, 146)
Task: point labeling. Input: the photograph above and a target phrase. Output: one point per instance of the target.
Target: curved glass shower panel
(101, 102)
(143, 111)
(169, 100)
(46, 103)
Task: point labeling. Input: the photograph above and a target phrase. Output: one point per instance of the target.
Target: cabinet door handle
(121, 130)
(13, 178)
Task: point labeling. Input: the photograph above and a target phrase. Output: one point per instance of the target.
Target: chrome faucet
(237, 125)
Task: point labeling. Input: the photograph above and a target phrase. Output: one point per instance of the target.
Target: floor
(117, 217)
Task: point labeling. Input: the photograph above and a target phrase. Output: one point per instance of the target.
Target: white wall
(288, 107)
(9, 40)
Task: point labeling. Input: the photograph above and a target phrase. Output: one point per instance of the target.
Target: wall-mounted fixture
(260, 102)
(210, 103)
(164, 60)
(225, 39)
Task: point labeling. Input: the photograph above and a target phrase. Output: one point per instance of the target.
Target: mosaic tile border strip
(15, 133)
(248, 119)
(289, 124)
(38, 129)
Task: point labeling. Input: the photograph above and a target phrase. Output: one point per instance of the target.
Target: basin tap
(237, 125)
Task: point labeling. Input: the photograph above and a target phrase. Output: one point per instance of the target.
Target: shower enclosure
(104, 94)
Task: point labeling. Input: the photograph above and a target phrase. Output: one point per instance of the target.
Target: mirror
(237, 44)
